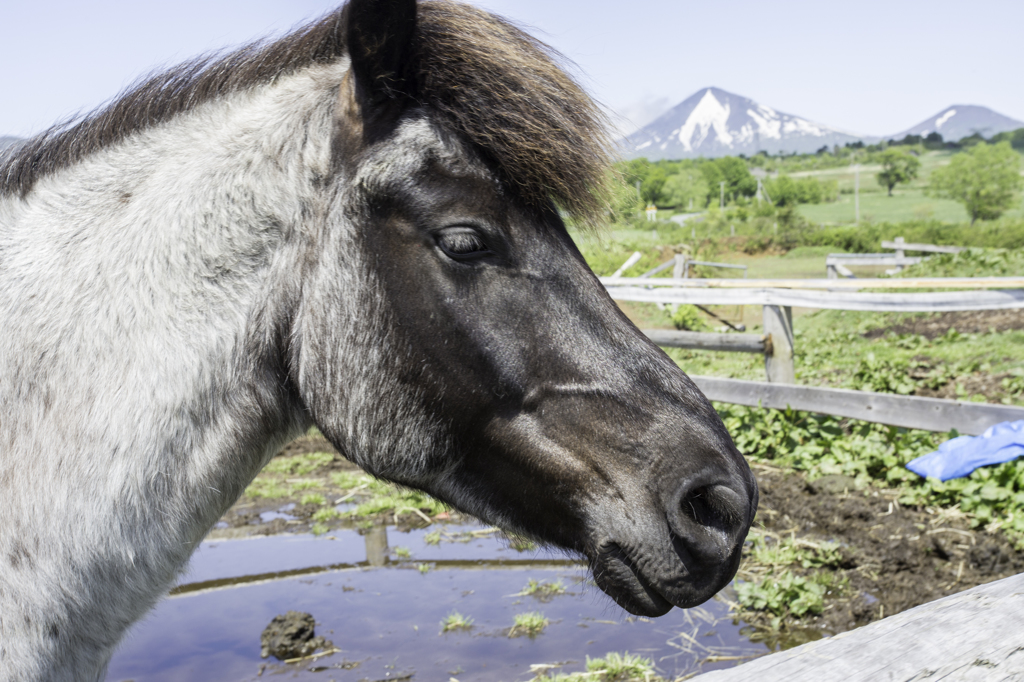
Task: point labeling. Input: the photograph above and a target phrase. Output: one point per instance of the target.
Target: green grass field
(908, 202)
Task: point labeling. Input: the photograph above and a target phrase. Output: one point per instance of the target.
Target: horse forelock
(508, 94)
(482, 77)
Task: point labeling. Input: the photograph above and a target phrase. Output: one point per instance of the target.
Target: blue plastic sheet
(960, 456)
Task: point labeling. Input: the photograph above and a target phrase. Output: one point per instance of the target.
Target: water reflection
(384, 614)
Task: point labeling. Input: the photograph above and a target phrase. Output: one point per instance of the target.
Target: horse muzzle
(677, 548)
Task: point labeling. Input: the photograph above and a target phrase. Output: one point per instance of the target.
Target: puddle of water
(371, 599)
(282, 513)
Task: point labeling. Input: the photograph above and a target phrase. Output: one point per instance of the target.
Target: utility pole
(856, 194)
(721, 200)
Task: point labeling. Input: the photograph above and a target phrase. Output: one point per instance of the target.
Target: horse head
(450, 336)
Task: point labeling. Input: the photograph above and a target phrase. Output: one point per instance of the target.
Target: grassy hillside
(908, 202)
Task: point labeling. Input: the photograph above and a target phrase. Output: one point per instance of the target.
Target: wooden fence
(975, 635)
(835, 263)
(777, 342)
(912, 412)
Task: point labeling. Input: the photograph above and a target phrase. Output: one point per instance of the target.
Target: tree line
(985, 177)
(696, 184)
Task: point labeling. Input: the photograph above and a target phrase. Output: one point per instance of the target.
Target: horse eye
(462, 243)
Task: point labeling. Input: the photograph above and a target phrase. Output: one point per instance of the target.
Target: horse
(360, 226)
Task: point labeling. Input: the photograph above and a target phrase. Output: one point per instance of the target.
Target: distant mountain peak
(962, 120)
(713, 122)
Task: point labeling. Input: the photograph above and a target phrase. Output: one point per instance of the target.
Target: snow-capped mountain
(960, 121)
(713, 122)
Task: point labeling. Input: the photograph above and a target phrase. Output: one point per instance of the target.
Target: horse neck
(145, 294)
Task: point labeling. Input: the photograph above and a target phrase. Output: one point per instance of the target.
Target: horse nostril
(713, 507)
(695, 506)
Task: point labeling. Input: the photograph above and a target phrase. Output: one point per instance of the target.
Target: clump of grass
(432, 538)
(349, 479)
(542, 590)
(325, 514)
(423, 568)
(402, 552)
(313, 498)
(304, 484)
(616, 667)
(456, 621)
(386, 498)
(267, 488)
(530, 624)
(318, 529)
(299, 465)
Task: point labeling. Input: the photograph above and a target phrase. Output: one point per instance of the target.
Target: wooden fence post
(900, 253)
(680, 266)
(778, 322)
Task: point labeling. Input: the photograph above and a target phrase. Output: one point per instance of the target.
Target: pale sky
(870, 67)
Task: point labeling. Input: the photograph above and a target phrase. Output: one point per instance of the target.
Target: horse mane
(482, 76)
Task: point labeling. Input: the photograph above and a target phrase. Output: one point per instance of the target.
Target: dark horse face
(453, 339)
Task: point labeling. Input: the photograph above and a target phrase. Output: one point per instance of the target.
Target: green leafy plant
(883, 376)
(688, 317)
(788, 551)
(785, 594)
(875, 454)
(313, 498)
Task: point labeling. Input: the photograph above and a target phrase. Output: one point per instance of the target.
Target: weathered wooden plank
(926, 248)
(824, 283)
(838, 300)
(664, 266)
(912, 412)
(778, 324)
(880, 260)
(739, 343)
(974, 635)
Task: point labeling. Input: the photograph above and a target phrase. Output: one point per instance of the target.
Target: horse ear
(379, 33)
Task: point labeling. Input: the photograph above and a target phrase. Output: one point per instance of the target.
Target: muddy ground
(891, 558)
(976, 383)
(251, 516)
(965, 322)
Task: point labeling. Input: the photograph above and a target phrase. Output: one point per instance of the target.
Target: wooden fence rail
(738, 343)
(821, 284)
(912, 412)
(944, 301)
(975, 635)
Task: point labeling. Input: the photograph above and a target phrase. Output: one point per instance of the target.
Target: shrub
(688, 317)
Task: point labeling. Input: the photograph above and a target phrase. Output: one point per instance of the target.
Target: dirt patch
(979, 383)
(892, 558)
(966, 322)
